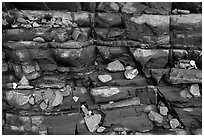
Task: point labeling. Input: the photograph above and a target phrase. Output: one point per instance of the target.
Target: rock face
(151, 58)
(102, 68)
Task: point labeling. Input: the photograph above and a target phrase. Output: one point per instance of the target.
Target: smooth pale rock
(131, 73)
(38, 39)
(194, 90)
(23, 81)
(183, 11)
(35, 25)
(154, 116)
(32, 100)
(58, 99)
(67, 91)
(101, 129)
(85, 110)
(185, 94)
(129, 68)
(115, 66)
(92, 122)
(75, 98)
(14, 85)
(48, 94)
(174, 123)
(163, 110)
(25, 87)
(43, 105)
(104, 78)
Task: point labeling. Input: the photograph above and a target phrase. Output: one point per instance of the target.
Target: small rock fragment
(32, 100)
(35, 25)
(193, 64)
(75, 98)
(154, 116)
(14, 26)
(183, 11)
(85, 110)
(104, 78)
(43, 105)
(14, 85)
(92, 122)
(115, 66)
(58, 99)
(123, 133)
(100, 129)
(67, 91)
(23, 81)
(185, 94)
(129, 67)
(194, 90)
(174, 123)
(163, 110)
(131, 73)
(38, 39)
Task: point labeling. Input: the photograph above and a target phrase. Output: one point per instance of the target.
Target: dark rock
(108, 20)
(191, 117)
(150, 29)
(89, 6)
(154, 58)
(108, 7)
(69, 6)
(18, 70)
(74, 54)
(61, 34)
(186, 31)
(193, 7)
(128, 118)
(109, 34)
(83, 18)
(47, 65)
(197, 56)
(157, 74)
(179, 76)
(175, 96)
(81, 34)
(52, 81)
(108, 53)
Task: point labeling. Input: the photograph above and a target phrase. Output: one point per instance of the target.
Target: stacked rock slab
(65, 67)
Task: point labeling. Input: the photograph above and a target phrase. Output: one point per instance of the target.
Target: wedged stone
(38, 39)
(174, 123)
(150, 29)
(108, 20)
(58, 99)
(154, 116)
(104, 78)
(194, 90)
(18, 70)
(128, 118)
(185, 94)
(191, 117)
(193, 7)
(147, 7)
(85, 56)
(108, 53)
(122, 103)
(29, 67)
(52, 81)
(108, 7)
(66, 91)
(47, 65)
(115, 66)
(154, 58)
(109, 34)
(92, 122)
(131, 73)
(175, 96)
(181, 76)
(180, 53)
(33, 75)
(189, 34)
(197, 56)
(21, 20)
(106, 94)
(157, 74)
(81, 34)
